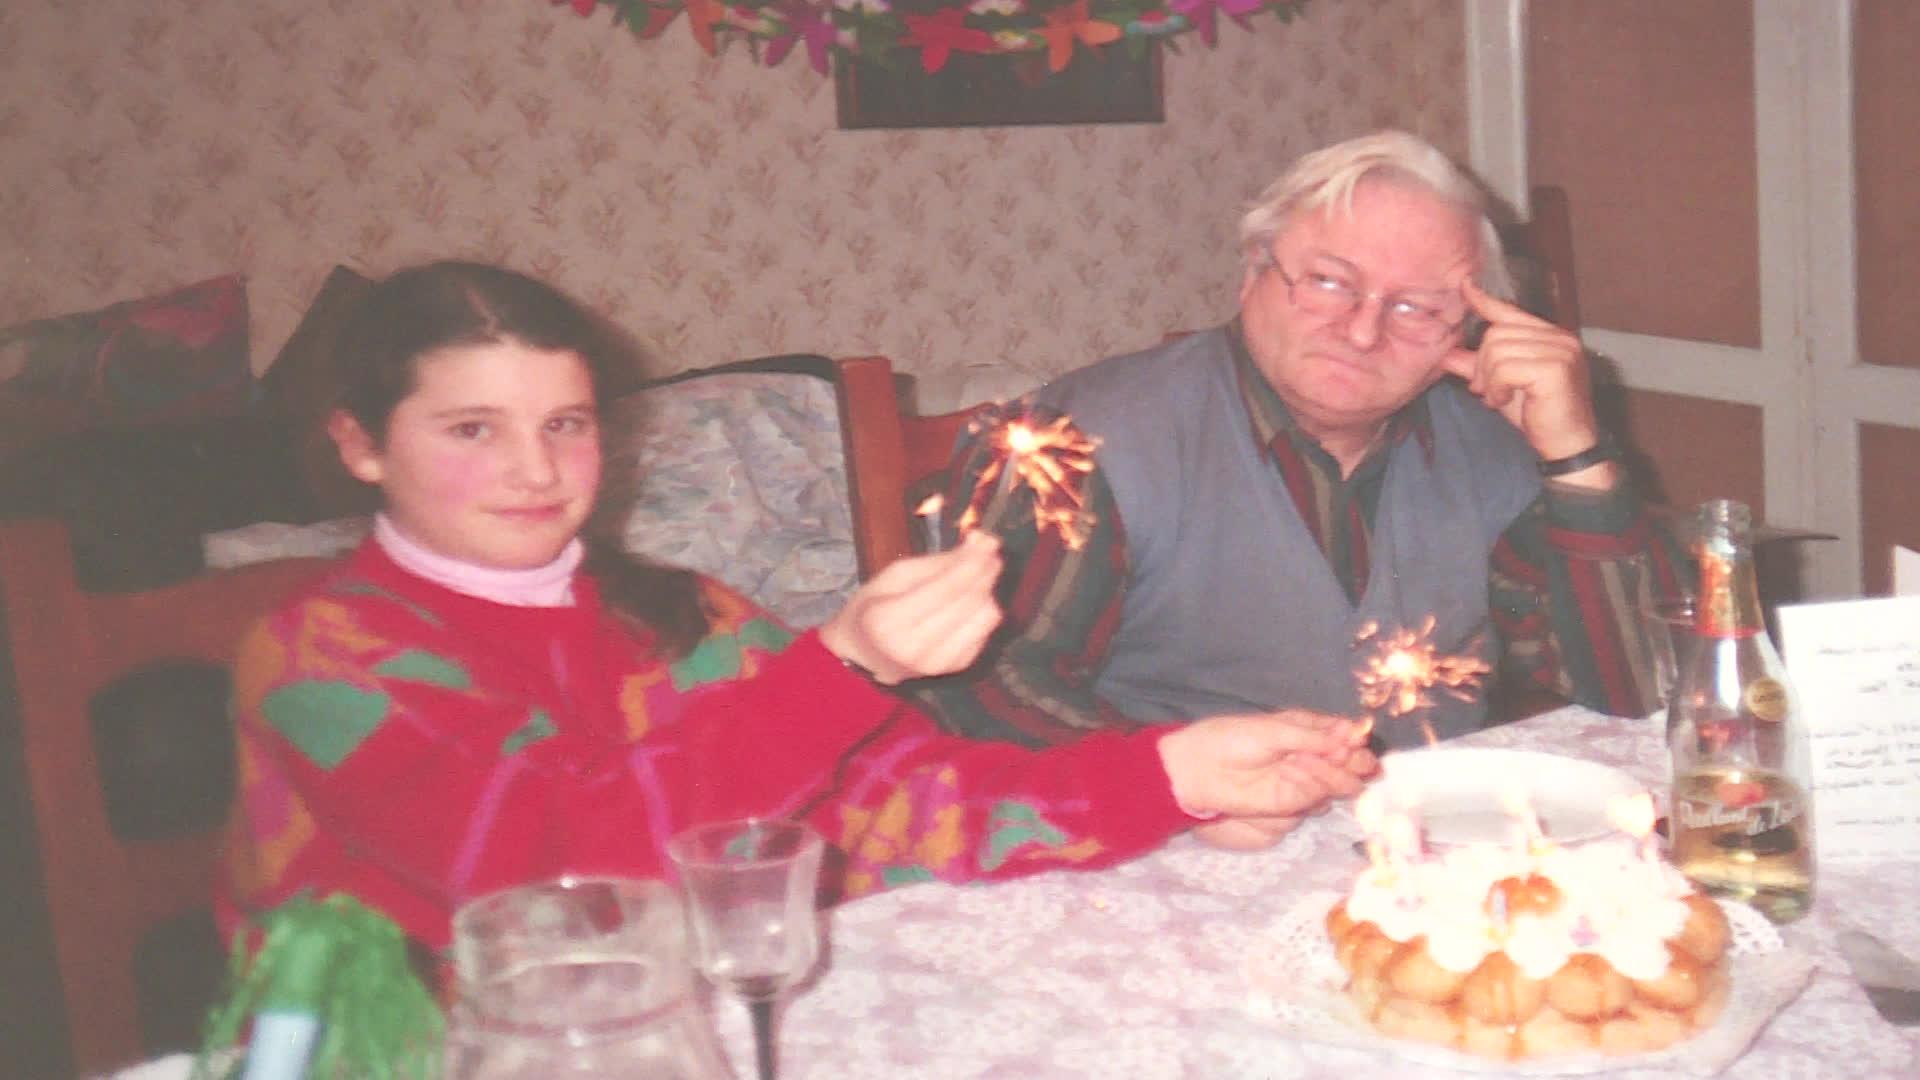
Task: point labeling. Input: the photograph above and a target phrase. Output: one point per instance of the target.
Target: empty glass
(750, 905)
(1666, 626)
(1672, 618)
(576, 977)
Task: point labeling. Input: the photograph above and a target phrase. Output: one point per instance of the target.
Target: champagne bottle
(1742, 818)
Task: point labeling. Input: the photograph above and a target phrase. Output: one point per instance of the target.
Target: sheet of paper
(1906, 571)
(1856, 667)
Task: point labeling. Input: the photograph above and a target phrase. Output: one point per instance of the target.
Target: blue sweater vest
(1231, 606)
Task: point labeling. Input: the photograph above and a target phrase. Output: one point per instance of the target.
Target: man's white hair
(1326, 179)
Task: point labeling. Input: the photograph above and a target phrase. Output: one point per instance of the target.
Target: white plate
(1457, 793)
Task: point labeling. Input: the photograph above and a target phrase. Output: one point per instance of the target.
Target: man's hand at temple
(1535, 374)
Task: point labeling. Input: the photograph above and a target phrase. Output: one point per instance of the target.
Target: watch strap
(1604, 450)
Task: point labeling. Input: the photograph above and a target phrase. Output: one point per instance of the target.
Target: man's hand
(1280, 765)
(1535, 374)
(928, 615)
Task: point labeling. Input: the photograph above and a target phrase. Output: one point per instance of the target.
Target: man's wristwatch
(1604, 450)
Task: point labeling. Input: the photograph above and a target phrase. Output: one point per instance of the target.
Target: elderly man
(1335, 456)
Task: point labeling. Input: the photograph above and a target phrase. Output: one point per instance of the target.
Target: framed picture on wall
(1112, 84)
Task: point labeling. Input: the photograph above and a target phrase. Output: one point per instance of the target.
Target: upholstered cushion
(263, 541)
(169, 358)
(740, 475)
(301, 388)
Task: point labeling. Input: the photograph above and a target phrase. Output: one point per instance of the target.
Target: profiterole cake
(1532, 949)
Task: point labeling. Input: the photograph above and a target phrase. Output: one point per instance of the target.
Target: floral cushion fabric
(742, 476)
(178, 356)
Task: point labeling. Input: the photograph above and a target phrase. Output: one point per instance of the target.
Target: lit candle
(1634, 815)
(1404, 842)
(1515, 802)
(1370, 814)
(1395, 841)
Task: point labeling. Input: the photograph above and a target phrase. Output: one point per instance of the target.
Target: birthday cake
(1532, 949)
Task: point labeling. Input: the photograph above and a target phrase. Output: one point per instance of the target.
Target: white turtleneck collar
(540, 586)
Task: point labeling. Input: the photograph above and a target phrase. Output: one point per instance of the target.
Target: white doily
(1298, 984)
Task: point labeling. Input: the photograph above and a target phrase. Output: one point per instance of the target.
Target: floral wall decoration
(896, 31)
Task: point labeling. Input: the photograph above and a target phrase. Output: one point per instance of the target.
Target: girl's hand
(1274, 766)
(926, 615)
(1245, 833)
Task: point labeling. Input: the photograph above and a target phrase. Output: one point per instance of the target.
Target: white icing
(1615, 902)
(1539, 946)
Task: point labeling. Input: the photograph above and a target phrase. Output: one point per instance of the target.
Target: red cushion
(178, 356)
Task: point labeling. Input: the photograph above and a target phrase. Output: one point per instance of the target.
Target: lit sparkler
(1045, 451)
(1404, 667)
(929, 514)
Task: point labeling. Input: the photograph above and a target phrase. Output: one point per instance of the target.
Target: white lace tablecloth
(1138, 971)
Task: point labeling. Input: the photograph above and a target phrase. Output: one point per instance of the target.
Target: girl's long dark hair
(424, 309)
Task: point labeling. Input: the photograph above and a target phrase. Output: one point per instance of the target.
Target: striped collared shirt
(1561, 583)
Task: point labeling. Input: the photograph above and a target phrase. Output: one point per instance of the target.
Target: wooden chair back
(890, 453)
(103, 890)
(1545, 240)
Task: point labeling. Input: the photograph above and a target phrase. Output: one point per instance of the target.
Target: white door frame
(1497, 97)
(1806, 377)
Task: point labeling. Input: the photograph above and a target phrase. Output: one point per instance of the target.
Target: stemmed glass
(750, 909)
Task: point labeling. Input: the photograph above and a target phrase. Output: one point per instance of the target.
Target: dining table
(1151, 968)
(1156, 967)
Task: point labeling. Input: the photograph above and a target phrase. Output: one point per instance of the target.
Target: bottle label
(1751, 819)
(1766, 699)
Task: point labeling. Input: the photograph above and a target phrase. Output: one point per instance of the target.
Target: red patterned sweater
(417, 747)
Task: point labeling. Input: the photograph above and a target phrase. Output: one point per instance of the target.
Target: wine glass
(750, 906)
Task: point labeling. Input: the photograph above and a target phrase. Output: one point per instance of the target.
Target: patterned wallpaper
(710, 205)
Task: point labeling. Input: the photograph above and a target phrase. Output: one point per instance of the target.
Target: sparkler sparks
(1047, 453)
(1403, 668)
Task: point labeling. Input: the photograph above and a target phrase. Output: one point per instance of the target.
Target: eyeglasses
(1416, 322)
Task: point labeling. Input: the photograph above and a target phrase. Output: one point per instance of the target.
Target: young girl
(478, 697)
